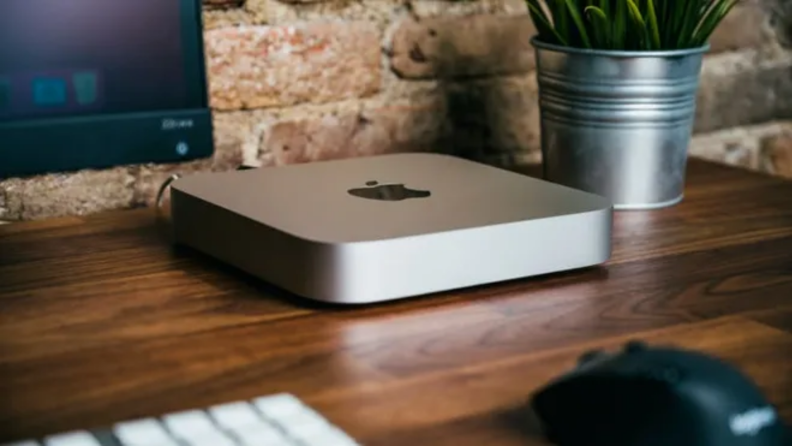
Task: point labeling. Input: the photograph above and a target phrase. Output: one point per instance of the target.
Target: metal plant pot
(618, 123)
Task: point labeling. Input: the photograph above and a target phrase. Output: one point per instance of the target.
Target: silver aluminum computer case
(378, 228)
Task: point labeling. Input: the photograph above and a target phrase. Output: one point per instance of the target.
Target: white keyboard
(274, 420)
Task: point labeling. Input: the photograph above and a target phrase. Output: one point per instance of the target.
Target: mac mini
(378, 228)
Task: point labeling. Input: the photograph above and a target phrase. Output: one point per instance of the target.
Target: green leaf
(706, 5)
(596, 11)
(635, 13)
(604, 5)
(542, 23)
(595, 14)
(558, 10)
(689, 22)
(640, 29)
(606, 26)
(666, 23)
(654, 29)
(632, 25)
(677, 12)
(575, 13)
(620, 24)
(708, 24)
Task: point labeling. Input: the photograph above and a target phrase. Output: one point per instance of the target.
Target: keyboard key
(148, 432)
(216, 438)
(79, 438)
(189, 424)
(106, 437)
(235, 415)
(304, 420)
(331, 437)
(275, 420)
(261, 435)
(311, 434)
(280, 405)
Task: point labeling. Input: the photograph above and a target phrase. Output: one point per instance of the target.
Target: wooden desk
(101, 321)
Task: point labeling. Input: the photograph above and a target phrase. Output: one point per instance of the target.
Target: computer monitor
(98, 83)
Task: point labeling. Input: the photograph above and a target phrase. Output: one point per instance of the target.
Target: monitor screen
(123, 77)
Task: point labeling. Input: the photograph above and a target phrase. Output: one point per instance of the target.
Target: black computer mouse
(655, 396)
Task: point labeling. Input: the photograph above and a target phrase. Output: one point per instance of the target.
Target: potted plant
(618, 82)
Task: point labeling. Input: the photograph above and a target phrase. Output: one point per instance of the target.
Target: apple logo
(387, 192)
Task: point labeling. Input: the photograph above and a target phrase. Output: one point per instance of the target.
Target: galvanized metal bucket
(618, 123)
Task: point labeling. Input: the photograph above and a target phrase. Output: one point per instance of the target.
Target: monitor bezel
(195, 55)
(47, 145)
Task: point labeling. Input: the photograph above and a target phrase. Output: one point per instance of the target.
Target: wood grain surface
(101, 320)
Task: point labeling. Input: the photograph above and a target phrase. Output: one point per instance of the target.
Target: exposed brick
(407, 128)
(743, 27)
(435, 8)
(740, 146)
(734, 153)
(494, 116)
(742, 88)
(279, 12)
(259, 9)
(381, 12)
(781, 20)
(463, 46)
(78, 193)
(234, 134)
(265, 66)
(303, 2)
(3, 203)
(476, 119)
(226, 18)
(223, 3)
(776, 154)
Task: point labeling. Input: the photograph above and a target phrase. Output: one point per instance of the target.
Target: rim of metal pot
(617, 53)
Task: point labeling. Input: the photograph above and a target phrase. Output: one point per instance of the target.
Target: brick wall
(303, 80)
